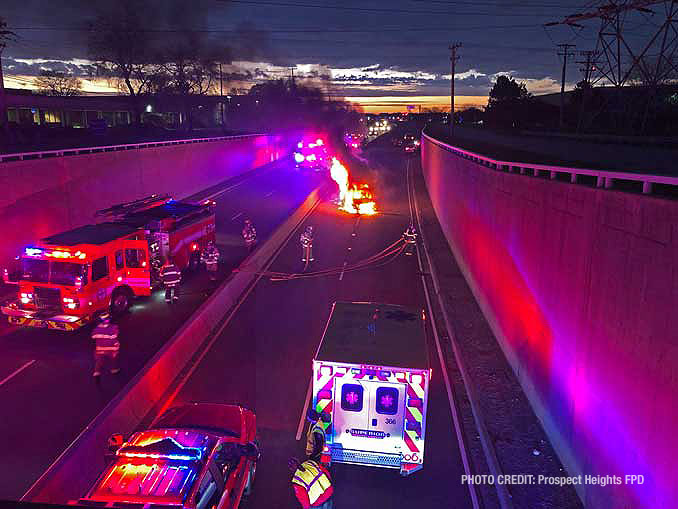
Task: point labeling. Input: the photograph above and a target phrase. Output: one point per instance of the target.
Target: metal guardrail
(604, 178)
(23, 156)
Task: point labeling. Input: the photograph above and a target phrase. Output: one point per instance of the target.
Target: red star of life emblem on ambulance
(387, 401)
(351, 398)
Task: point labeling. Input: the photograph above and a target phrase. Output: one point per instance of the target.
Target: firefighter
(171, 276)
(249, 234)
(306, 240)
(410, 237)
(315, 437)
(106, 346)
(312, 484)
(210, 257)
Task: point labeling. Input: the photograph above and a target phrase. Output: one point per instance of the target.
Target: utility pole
(221, 96)
(565, 53)
(453, 62)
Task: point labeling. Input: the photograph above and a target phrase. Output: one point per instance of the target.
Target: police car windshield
(45, 271)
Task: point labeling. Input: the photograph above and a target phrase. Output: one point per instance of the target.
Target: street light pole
(221, 96)
(453, 62)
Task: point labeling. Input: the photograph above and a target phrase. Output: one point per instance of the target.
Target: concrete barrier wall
(41, 197)
(74, 472)
(580, 286)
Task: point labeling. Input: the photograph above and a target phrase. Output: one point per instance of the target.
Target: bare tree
(190, 68)
(121, 46)
(57, 83)
(6, 36)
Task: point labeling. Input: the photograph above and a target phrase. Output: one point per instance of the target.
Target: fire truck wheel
(120, 301)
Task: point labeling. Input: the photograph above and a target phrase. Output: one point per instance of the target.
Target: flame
(353, 198)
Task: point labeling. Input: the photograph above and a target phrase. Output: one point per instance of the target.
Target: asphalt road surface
(262, 358)
(46, 389)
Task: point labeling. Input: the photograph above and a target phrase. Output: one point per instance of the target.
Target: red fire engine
(197, 455)
(67, 278)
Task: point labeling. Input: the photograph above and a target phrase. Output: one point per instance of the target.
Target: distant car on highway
(198, 455)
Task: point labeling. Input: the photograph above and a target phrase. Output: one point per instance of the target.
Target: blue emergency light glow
(33, 251)
(167, 448)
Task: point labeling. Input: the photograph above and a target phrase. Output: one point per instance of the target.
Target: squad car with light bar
(198, 455)
(371, 375)
(68, 278)
(311, 155)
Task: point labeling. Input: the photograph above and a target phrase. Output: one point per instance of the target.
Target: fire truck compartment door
(137, 272)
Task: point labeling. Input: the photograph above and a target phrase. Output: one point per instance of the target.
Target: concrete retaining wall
(41, 197)
(580, 286)
(75, 471)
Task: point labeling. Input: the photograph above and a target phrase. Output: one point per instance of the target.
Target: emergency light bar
(35, 251)
(167, 448)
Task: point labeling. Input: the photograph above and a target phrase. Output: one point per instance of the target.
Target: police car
(196, 456)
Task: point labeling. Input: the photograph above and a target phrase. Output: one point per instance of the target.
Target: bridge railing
(603, 178)
(23, 156)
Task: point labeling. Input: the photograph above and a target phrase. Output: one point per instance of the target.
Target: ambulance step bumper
(341, 455)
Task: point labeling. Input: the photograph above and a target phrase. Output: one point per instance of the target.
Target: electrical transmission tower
(651, 61)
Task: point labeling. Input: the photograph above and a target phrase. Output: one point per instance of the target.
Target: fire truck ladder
(123, 209)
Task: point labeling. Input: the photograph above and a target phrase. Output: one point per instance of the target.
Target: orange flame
(353, 198)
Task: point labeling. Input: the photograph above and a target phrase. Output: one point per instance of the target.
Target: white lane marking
(448, 387)
(341, 276)
(302, 420)
(237, 216)
(237, 184)
(16, 372)
(269, 194)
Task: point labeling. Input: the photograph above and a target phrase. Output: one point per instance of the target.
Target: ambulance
(371, 376)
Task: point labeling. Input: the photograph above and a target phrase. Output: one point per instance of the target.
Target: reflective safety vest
(170, 275)
(105, 336)
(210, 256)
(306, 240)
(249, 234)
(310, 436)
(313, 480)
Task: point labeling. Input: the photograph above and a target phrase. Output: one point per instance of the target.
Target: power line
(379, 10)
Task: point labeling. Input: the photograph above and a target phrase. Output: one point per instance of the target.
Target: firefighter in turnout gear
(306, 240)
(171, 277)
(312, 484)
(210, 257)
(106, 346)
(249, 234)
(315, 437)
(410, 237)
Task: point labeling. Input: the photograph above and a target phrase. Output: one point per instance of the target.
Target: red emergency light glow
(167, 448)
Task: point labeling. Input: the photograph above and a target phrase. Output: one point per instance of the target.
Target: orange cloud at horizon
(399, 104)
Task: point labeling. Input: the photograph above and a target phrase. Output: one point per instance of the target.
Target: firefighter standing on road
(410, 237)
(106, 346)
(210, 257)
(315, 437)
(249, 234)
(306, 240)
(171, 276)
(312, 484)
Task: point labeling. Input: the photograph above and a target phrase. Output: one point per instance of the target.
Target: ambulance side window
(134, 258)
(387, 400)
(352, 397)
(119, 263)
(99, 268)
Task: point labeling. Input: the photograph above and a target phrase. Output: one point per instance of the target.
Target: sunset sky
(383, 54)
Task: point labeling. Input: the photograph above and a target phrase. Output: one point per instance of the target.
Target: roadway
(262, 357)
(46, 386)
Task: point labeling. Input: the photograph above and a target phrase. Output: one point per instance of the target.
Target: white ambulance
(371, 375)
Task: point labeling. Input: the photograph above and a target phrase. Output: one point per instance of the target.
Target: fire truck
(198, 455)
(66, 279)
(371, 376)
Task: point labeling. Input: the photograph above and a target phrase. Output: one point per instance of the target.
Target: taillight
(71, 303)
(194, 247)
